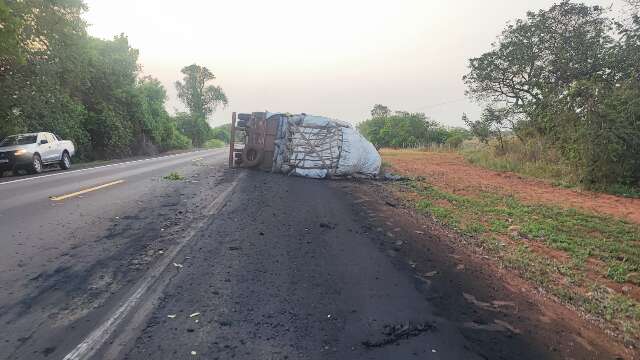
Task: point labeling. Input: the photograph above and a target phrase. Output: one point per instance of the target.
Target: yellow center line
(62, 197)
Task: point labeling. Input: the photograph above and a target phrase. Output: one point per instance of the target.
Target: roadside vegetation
(586, 260)
(173, 176)
(560, 90)
(566, 77)
(402, 129)
(55, 77)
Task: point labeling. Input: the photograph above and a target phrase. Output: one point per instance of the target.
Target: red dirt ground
(451, 172)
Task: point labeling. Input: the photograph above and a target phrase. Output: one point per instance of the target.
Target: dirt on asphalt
(294, 268)
(449, 171)
(50, 312)
(470, 289)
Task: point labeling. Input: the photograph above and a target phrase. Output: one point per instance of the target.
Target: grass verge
(533, 162)
(584, 260)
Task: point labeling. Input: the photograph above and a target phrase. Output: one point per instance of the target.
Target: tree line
(399, 129)
(55, 77)
(568, 76)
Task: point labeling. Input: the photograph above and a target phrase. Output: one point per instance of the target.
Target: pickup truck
(33, 151)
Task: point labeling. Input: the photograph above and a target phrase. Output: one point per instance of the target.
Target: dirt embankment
(452, 173)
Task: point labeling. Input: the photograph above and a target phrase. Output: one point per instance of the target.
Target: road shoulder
(500, 305)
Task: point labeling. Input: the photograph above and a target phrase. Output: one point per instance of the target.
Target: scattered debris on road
(394, 333)
(431, 273)
(496, 305)
(393, 177)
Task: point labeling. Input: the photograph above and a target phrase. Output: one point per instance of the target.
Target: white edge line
(92, 343)
(100, 167)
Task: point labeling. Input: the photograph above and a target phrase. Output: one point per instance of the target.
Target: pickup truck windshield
(18, 140)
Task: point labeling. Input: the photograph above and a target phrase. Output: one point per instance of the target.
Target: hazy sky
(333, 57)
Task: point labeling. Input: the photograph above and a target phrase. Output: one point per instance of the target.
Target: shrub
(214, 144)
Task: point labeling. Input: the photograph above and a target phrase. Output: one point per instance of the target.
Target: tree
(380, 111)
(221, 133)
(479, 128)
(401, 129)
(201, 99)
(9, 42)
(536, 59)
(194, 127)
(54, 77)
(570, 76)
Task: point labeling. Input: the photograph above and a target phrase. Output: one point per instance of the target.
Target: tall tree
(380, 110)
(200, 98)
(538, 58)
(568, 74)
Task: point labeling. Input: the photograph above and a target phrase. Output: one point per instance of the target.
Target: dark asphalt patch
(314, 288)
(396, 332)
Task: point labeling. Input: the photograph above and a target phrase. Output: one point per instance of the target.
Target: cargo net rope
(314, 149)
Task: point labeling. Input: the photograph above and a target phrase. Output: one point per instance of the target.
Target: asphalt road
(64, 262)
(221, 264)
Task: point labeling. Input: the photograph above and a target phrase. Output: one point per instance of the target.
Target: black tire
(36, 165)
(252, 156)
(65, 162)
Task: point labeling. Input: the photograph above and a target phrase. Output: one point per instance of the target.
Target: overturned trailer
(302, 145)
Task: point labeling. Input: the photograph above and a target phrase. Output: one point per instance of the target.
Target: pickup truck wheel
(65, 163)
(36, 164)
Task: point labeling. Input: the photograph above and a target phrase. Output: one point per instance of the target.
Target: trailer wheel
(252, 156)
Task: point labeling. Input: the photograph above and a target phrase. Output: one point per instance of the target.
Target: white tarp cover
(320, 147)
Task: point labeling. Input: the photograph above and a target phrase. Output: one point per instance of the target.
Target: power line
(441, 103)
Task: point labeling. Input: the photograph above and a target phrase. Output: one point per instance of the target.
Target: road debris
(327, 225)
(495, 305)
(497, 325)
(394, 333)
(392, 204)
(431, 273)
(393, 177)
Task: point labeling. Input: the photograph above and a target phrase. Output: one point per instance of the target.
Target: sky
(335, 58)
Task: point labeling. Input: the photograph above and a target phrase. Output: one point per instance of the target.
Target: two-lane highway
(71, 240)
(119, 263)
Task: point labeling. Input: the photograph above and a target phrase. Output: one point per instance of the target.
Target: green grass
(550, 170)
(214, 144)
(173, 176)
(532, 161)
(491, 218)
